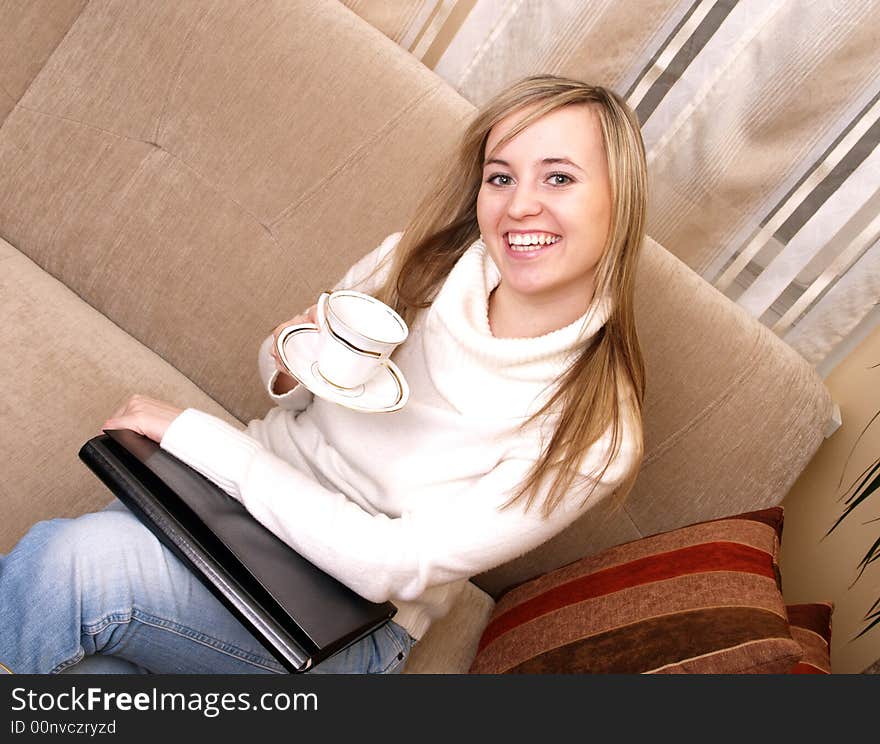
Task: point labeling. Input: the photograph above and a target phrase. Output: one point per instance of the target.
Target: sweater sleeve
(453, 536)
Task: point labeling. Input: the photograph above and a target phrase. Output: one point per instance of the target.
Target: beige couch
(177, 178)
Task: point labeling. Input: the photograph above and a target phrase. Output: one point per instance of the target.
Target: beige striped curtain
(760, 119)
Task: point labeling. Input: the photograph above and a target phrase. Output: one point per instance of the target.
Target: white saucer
(386, 391)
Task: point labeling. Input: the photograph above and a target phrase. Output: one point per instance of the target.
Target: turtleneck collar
(479, 374)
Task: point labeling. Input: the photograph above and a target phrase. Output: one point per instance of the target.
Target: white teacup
(357, 334)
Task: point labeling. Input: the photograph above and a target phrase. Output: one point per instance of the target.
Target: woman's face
(544, 207)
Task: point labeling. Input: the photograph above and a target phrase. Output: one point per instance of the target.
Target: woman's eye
(565, 182)
(492, 179)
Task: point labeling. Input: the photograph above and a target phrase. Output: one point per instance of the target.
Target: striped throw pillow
(811, 628)
(700, 599)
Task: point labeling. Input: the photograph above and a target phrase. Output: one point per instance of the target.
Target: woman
(526, 377)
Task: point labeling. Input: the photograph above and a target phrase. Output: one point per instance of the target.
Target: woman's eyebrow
(564, 161)
(544, 161)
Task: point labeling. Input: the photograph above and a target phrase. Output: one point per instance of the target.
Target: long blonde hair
(604, 386)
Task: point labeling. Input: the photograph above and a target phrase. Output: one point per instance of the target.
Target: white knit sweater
(403, 506)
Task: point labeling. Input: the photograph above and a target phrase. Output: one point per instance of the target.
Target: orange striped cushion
(701, 599)
(811, 628)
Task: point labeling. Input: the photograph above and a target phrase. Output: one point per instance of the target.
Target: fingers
(307, 316)
(138, 402)
(144, 415)
(119, 411)
(119, 414)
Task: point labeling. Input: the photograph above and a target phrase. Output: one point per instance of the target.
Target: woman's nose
(523, 202)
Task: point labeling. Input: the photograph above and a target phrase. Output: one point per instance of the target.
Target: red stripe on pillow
(814, 616)
(715, 556)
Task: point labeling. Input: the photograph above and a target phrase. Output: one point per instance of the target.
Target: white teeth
(522, 243)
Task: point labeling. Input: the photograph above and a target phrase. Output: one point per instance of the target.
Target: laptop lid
(299, 612)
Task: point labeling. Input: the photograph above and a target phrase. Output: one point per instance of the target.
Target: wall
(815, 567)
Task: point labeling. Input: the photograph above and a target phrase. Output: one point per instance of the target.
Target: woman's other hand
(284, 383)
(144, 415)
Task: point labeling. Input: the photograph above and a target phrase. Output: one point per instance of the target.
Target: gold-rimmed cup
(358, 333)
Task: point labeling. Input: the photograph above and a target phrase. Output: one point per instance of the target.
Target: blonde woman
(516, 278)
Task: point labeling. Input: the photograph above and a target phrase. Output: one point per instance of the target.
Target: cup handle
(321, 311)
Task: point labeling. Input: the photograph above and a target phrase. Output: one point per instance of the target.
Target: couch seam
(305, 197)
(222, 192)
(11, 97)
(178, 71)
(155, 146)
(50, 55)
(85, 124)
(355, 155)
(125, 219)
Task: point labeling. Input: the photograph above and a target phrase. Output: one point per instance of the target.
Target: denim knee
(64, 578)
(91, 555)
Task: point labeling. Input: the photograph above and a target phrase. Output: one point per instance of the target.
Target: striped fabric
(701, 599)
(811, 627)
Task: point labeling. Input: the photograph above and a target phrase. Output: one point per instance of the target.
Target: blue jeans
(100, 594)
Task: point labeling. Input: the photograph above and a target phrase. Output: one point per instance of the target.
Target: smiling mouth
(523, 244)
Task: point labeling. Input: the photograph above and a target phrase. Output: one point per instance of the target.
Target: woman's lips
(534, 250)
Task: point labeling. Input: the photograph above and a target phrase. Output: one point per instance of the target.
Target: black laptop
(298, 612)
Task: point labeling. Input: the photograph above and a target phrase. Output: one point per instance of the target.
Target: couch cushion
(65, 368)
(810, 625)
(31, 29)
(451, 642)
(173, 157)
(702, 599)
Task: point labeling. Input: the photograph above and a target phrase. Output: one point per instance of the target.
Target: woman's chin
(528, 292)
